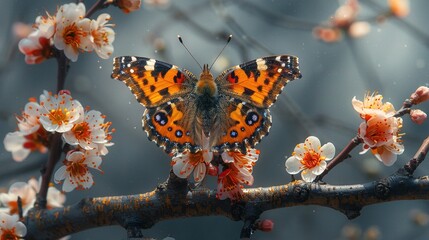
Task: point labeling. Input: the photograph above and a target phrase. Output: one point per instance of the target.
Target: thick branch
(144, 210)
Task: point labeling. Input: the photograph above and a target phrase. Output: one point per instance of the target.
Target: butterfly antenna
(227, 41)
(181, 41)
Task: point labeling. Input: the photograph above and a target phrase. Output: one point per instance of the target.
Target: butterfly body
(231, 109)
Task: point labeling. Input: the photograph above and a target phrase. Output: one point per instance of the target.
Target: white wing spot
(133, 59)
(261, 64)
(150, 65)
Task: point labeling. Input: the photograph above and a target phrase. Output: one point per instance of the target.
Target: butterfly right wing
(152, 82)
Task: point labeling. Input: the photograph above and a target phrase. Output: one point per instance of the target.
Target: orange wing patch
(152, 82)
(245, 126)
(260, 81)
(153, 90)
(256, 87)
(164, 125)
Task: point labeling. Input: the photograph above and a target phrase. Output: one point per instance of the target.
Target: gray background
(391, 59)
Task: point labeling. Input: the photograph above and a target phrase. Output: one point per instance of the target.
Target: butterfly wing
(166, 92)
(259, 81)
(242, 126)
(248, 90)
(171, 124)
(152, 82)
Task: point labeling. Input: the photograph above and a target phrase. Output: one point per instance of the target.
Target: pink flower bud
(418, 116)
(265, 225)
(21, 30)
(64, 91)
(212, 170)
(359, 29)
(420, 95)
(327, 34)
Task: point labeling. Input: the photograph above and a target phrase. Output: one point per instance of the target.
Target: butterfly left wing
(151, 81)
(166, 92)
(259, 81)
(171, 125)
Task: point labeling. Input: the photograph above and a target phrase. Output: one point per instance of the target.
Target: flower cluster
(85, 131)
(236, 172)
(310, 158)
(380, 129)
(344, 20)
(70, 31)
(10, 227)
(27, 192)
(238, 168)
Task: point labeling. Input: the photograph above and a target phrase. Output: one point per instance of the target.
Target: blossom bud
(399, 8)
(64, 91)
(265, 225)
(21, 30)
(212, 170)
(359, 29)
(420, 95)
(418, 116)
(328, 35)
(129, 5)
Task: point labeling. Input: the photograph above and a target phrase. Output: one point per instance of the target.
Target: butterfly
(232, 110)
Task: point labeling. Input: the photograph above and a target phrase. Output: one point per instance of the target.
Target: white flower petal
(200, 172)
(307, 175)
(70, 138)
(14, 141)
(386, 157)
(181, 166)
(20, 229)
(227, 158)
(93, 162)
(357, 105)
(207, 156)
(246, 177)
(60, 174)
(69, 184)
(317, 170)
(299, 150)
(328, 151)
(293, 165)
(87, 180)
(312, 142)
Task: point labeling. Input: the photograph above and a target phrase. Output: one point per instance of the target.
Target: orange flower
(238, 171)
(371, 104)
(380, 134)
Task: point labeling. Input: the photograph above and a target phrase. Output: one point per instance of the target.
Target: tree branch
(145, 210)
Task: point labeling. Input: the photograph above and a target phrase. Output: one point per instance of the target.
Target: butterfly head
(206, 84)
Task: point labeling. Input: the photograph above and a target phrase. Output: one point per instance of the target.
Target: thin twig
(340, 157)
(55, 150)
(418, 158)
(100, 4)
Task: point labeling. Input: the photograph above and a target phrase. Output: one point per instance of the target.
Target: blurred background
(387, 54)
